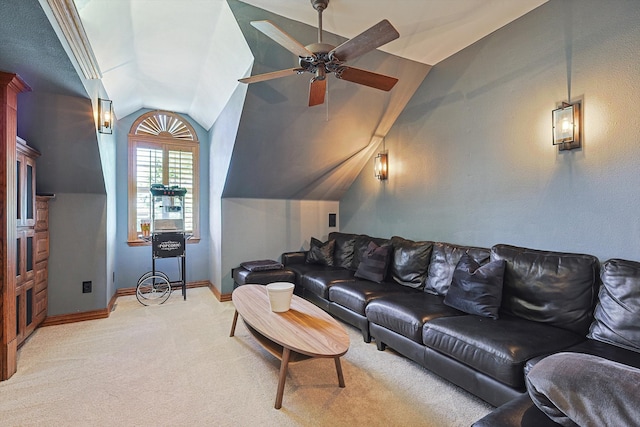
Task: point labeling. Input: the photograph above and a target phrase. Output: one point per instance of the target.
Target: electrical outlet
(86, 287)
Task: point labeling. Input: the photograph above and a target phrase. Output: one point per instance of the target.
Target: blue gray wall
(471, 159)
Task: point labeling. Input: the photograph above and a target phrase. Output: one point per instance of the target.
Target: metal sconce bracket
(566, 126)
(105, 116)
(381, 166)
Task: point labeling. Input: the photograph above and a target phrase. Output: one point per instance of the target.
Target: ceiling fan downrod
(320, 6)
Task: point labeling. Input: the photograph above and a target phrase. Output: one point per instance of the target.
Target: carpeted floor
(175, 365)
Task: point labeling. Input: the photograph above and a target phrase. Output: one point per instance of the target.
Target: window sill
(140, 242)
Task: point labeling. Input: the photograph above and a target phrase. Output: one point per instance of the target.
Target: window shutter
(181, 174)
(148, 171)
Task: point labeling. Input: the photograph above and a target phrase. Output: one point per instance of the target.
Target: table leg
(339, 371)
(184, 278)
(233, 325)
(283, 376)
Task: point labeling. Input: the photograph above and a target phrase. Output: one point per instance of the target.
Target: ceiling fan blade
(270, 76)
(381, 33)
(285, 40)
(317, 89)
(367, 78)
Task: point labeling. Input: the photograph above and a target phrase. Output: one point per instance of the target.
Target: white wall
(265, 228)
(222, 138)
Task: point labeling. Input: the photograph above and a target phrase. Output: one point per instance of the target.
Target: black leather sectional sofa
(543, 303)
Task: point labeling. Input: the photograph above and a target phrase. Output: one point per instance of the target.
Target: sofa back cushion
(551, 287)
(410, 262)
(617, 314)
(444, 258)
(343, 250)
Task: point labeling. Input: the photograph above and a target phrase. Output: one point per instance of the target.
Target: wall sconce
(566, 126)
(105, 116)
(381, 166)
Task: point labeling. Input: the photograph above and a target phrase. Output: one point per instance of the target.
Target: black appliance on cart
(168, 240)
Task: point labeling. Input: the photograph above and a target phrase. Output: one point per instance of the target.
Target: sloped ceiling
(183, 56)
(55, 117)
(186, 55)
(286, 150)
(430, 30)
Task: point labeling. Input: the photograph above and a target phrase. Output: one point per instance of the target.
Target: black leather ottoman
(242, 276)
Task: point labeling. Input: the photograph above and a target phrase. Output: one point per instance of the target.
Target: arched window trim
(166, 131)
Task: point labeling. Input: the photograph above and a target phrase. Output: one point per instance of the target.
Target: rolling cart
(168, 240)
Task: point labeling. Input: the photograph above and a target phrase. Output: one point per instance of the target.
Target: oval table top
(305, 328)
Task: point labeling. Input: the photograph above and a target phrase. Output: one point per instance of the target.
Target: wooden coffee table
(303, 332)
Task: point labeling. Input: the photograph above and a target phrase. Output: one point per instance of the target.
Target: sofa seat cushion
(357, 294)
(405, 313)
(498, 348)
(597, 348)
(319, 281)
(302, 269)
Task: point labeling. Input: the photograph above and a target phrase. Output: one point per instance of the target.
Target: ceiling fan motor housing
(321, 58)
(320, 5)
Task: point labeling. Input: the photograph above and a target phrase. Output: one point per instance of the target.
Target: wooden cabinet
(41, 257)
(10, 86)
(32, 245)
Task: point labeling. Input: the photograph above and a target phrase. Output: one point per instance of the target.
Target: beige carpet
(175, 365)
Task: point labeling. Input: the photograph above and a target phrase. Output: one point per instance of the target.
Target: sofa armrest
(289, 258)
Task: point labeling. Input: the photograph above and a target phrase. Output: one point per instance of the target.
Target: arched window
(163, 149)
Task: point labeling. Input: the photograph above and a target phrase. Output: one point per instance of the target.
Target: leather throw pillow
(320, 253)
(374, 262)
(476, 289)
(616, 314)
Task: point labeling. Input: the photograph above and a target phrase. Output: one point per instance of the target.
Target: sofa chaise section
(614, 335)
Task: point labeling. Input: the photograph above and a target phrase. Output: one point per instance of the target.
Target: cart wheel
(148, 274)
(153, 290)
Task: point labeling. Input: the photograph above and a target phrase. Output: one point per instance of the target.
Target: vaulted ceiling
(187, 55)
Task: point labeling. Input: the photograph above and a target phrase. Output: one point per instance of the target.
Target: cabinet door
(40, 288)
(26, 190)
(25, 255)
(25, 311)
(42, 213)
(42, 245)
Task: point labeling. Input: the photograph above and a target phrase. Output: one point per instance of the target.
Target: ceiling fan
(321, 58)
